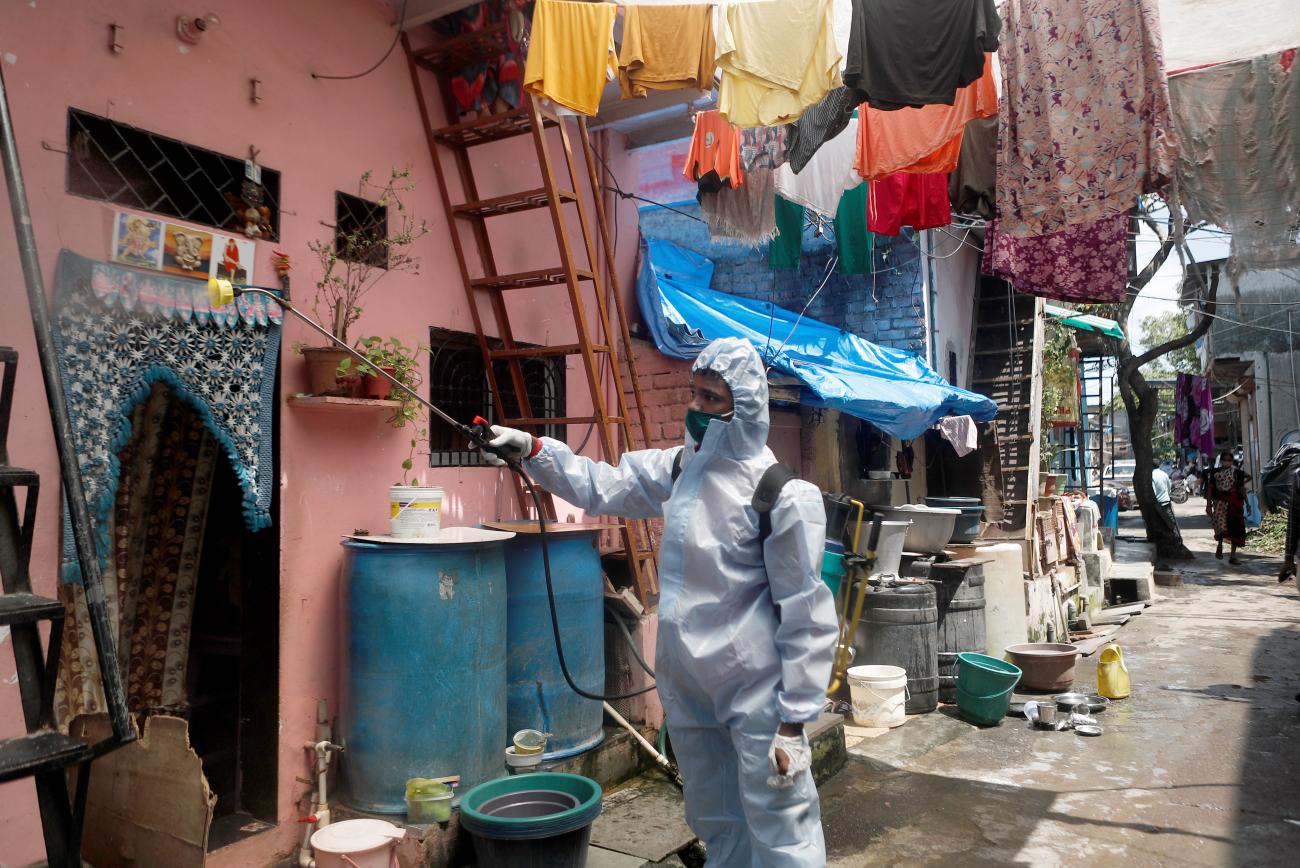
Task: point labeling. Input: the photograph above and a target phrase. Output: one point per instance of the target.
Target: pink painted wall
(321, 136)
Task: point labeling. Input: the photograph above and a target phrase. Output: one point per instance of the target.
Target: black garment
(1293, 516)
(918, 52)
(818, 125)
(971, 184)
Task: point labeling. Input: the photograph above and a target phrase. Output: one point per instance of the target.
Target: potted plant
(353, 259)
(390, 355)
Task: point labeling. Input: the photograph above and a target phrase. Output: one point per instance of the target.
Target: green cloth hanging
(784, 250)
(856, 244)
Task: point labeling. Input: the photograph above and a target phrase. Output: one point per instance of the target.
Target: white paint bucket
(879, 695)
(415, 511)
(357, 844)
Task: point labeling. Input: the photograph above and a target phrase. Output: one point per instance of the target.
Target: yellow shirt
(570, 52)
(777, 58)
(665, 48)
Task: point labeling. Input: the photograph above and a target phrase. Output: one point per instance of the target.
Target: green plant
(352, 262)
(403, 363)
(399, 360)
(1060, 375)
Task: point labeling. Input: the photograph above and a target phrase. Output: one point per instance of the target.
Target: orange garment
(924, 140)
(715, 147)
(665, 48)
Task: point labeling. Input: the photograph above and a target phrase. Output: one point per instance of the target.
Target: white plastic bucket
(415, 512)
(879, 694)
(357, 844)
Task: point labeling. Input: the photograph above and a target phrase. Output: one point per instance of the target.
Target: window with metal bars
(360, 229)
(458, 383)
(115, 162)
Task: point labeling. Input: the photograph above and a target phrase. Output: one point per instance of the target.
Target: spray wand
(223, 292)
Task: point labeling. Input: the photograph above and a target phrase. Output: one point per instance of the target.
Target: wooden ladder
(1007, 367)
(579, 272)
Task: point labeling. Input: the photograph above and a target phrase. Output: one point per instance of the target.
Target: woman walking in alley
(1225, 501)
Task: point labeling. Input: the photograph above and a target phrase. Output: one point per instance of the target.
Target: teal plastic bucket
(984, 686)
(542, 820)
(982, 675)
(984, 710)
(833, 571)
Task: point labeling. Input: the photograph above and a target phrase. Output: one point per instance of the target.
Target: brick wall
(664, 384)
(885, 308)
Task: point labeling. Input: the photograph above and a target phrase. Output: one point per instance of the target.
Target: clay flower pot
(377, 387)
(322, 372)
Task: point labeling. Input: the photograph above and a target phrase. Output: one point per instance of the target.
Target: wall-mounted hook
(115, 38)
(255, 90)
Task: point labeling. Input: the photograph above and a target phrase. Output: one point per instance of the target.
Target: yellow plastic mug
(1112, 674)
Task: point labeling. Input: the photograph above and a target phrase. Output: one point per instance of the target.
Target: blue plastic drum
(422, 673)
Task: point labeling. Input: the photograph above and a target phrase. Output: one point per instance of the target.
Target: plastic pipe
(659, 758)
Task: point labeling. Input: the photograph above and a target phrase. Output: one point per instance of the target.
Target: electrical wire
(830, 269)
(397, 26)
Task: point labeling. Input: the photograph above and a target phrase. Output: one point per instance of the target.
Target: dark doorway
(232, 678)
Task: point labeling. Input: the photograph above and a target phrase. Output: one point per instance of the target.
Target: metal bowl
(1091, 702)
(1088, 729)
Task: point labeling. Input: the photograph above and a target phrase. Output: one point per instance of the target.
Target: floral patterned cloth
(762, 147)
(118, 332)
(157, 529)
(1085, 124)
(1088, 262)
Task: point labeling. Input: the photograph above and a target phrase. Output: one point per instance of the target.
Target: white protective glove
(798, 751)
(512, 441)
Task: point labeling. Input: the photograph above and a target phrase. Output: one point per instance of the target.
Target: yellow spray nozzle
(220, 292)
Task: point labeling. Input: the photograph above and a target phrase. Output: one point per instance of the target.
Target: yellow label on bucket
(397, 506)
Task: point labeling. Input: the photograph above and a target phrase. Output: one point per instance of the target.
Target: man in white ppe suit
(746, 633)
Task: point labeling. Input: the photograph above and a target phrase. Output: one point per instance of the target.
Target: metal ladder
(1007, 367)
(44, 753)
(579, 272)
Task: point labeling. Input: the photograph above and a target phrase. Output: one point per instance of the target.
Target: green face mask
(697, 422)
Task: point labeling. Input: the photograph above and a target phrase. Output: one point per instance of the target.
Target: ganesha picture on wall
(187, 252)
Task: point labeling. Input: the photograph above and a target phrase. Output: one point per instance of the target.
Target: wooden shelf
(330, 402)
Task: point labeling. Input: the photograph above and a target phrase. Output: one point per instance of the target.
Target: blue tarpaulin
(894, 390)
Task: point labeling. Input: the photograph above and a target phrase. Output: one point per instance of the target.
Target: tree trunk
(1143, 403)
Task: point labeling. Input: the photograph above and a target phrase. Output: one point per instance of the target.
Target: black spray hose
(517, 467)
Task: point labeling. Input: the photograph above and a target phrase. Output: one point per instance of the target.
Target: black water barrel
(900, 627)
(959, 591)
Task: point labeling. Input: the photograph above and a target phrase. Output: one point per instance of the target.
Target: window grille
(360, 228)
(458, 384)
(118, 163)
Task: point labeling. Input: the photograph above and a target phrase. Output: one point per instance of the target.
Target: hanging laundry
(762, 147)
(818, 125)
(570, 53)
(922, 140)
(787, 246)
(1088, 262)
(1085, 123)
(961, 432)
(1239, 163)
(826, 176)
(970, 185)
(1203, 425)
(777, 59)
(714, 156)
(904, 199)
(910, 53)
(855, 245)
(744, 214)
(666, 48)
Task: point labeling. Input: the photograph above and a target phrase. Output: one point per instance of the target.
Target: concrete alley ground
(1201, 766)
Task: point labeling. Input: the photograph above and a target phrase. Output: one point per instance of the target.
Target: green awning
(1085, 321)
